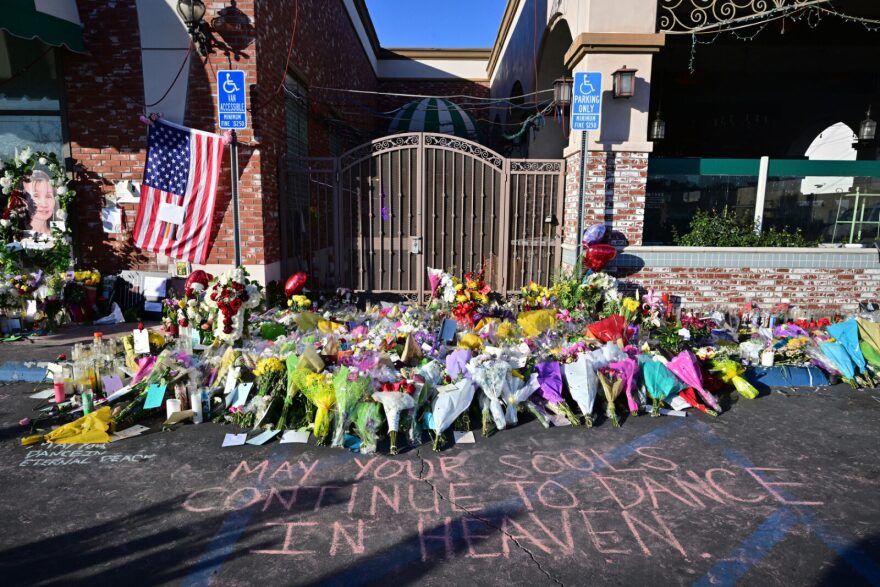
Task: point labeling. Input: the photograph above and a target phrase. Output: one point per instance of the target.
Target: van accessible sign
(586, 103)
(231, 106)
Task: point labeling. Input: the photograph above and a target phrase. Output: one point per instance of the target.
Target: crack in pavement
(473, 516)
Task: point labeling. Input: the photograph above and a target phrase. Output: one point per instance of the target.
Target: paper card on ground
(155, 395)
(264, 437)
(45, 394)
(178, 417)
(679, 404)
(171, 213)
(294, 436)
(155, 286)
(141, 341)
(667, 412)
(152, 307)
(234, 440)
(464, 437)
(112, 383)
(128, 432)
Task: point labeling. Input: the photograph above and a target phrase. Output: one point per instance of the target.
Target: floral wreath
(50, 253)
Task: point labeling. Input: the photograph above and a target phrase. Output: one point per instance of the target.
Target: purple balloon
(594, 234)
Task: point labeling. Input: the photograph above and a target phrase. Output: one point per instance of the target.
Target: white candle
(171, 406)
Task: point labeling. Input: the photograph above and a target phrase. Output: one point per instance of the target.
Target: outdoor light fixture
(562, 91)
(193, 13)
(868, 128)
(624, 82)
(658, 128)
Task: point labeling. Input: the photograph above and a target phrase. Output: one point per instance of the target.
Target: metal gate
(379, 215)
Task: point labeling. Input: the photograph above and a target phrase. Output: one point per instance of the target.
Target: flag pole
(233, 151)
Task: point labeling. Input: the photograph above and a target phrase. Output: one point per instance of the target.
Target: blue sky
(436, 23)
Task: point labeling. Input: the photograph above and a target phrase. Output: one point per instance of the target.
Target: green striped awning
(54, 22)
(434, 115)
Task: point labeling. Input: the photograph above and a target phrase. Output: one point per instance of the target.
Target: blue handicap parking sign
(586, 103)
(231, 105)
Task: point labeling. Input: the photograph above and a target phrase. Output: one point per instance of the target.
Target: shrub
(724, 229)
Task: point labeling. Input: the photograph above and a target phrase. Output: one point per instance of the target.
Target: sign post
(232, 111)
(586, 114)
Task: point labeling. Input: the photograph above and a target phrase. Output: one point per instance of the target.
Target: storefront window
(672, 201)
(30, 96)
(829, 201)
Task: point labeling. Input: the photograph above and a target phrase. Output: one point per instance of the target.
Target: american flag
(182, 169)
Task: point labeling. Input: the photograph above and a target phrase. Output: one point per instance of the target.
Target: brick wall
(816, 291)
(614, 194)
(104, 96)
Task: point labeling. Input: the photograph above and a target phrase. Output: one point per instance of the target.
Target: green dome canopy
(434, 115)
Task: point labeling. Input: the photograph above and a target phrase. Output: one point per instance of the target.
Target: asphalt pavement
(781, 490)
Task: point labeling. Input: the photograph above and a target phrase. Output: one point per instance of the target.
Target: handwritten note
(464, 437)
(141, 341)
(155, 395)
(112, 384)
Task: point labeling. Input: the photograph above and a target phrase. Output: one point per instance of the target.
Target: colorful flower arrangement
(232, 293)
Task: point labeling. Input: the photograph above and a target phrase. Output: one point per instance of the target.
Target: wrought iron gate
(380, 214)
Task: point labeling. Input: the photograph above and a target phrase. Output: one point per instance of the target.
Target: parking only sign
(231, 105)
(586, 103)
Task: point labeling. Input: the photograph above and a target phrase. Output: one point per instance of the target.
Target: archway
(549, 141)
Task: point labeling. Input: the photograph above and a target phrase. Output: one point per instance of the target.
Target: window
(30, 97)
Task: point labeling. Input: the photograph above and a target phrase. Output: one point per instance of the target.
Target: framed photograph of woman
(42, 203)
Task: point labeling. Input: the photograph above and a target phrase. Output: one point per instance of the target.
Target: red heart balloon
(197, 281)
(597, 256)
(295, 284)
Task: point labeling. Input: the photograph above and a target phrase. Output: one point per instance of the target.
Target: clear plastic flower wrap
(518, 393)
(451, 401)
(582, 384)
(394, 402)
(491, 376)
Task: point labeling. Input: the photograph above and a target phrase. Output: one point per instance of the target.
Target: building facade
(320, 84)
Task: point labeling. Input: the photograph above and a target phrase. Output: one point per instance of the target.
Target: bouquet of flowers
(518, 393)
(270, 374)
(470, 295)
(611, 385)
(491, 376)
(582, 384)
(394, 401)
(659, 381)
(348, 394)
(627, 369)
(299, 303)
(450, 403)
(685, 367)
(731, 372)
(550, 383)
(318, 389)
(367, 420)
(232, 293)
(443, 286)
(10, 299)
(537, 296)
